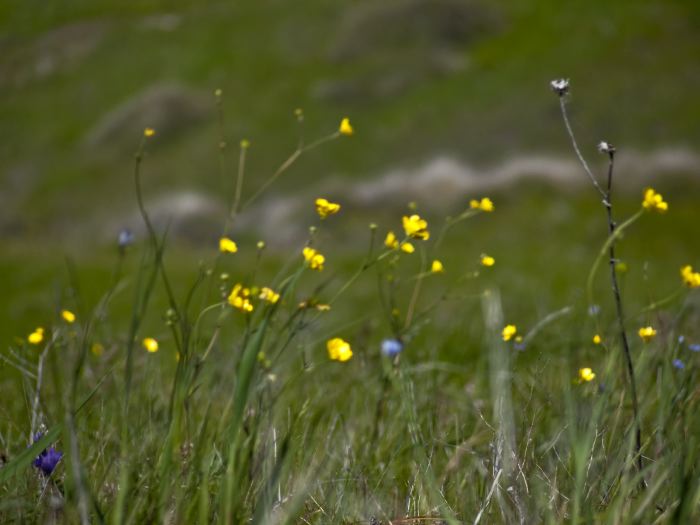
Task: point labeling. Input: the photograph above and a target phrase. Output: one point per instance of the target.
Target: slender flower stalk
(561, 88)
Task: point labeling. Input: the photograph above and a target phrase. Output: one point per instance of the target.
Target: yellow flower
(269, 295)
(345, 128)
(416, 227)
(437, 267)
(245, 144)
(586, 375)
(239, 298)
(150, 344)
(97, 349)
(313, 258)
(338, 350)
(484, 204)
(68, 316)
(322, 307)
(226, 245)
(149, 132)
(647, 333)
(690, 278)
(509, 332)
(391, 241)
(654, 201)
(407, 247)
(487, 260)
(597, 339)
(36, 337)
(324, 207)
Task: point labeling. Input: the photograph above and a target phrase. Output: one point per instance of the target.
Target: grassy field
(249, 416)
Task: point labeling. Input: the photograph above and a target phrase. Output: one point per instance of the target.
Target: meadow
(325, 348)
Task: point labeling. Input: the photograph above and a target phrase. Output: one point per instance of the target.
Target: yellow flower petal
(338, 350)
(324, 207)
(226, 245)
(509, 332)
(68, 316)
(150, 344)
(345, 128)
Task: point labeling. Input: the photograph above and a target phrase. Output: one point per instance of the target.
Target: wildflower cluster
(485, 204)
(239, 298)
(654, 201)
(324, 207)
(313, 258)
(391, 242)
(36, 337)
(690, 278)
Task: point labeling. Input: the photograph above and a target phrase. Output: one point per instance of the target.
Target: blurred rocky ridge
(440, 184)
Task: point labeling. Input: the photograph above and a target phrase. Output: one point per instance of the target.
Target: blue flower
(125, 239)
(391, 347)
(681, 339)
(593, 310)
(695, 347)
(677, 363)
(47, 460)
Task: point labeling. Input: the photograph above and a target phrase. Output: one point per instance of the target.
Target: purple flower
(695, 347)
(681, 339)
(391, 347)
(677, 363)
(47, 460)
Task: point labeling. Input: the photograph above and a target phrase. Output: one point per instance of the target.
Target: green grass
(462, 425)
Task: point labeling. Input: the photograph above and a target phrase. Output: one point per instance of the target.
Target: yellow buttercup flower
(227, 245)
(239, 298)
(149, 132)
(324, 207)
(391, 241)
(597, 339)
(345, 128)
(647, 333)
(97, 349)
(487, 260)
(269, 295)
(509, 332)
(313, 258)
(484, 204)
(407, 247)
(690, 278)
(150, 344)
(586, 375)
(339, 350)
(36, 337)
(654, 201)
(68, 316)
(437, 267)
(416, 227)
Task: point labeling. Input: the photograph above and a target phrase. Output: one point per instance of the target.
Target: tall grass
(252, 415)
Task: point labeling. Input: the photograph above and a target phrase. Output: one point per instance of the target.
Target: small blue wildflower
(47, 460)
(593, 310)
(520, 346)
(695, 347)
(391, 347)
(681, 339)
(677, 363)
(126, 238)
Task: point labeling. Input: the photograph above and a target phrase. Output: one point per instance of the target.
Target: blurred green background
(449, 99)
